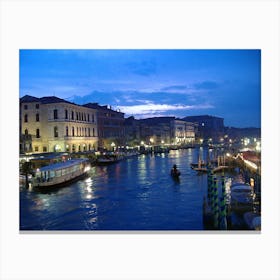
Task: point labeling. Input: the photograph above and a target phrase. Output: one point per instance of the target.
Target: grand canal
(135, 194)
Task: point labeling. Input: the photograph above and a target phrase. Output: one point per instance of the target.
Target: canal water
(135, 194)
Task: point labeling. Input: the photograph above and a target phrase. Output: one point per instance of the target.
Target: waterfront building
(52, 124)
(208, 127)
(111, 130)
(184, 132)
(160, 130)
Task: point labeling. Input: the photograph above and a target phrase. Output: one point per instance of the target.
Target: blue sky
(147, 83)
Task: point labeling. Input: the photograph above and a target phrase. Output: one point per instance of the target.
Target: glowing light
(251, 164)
(87, 168)
(228, 154)
(142, 143)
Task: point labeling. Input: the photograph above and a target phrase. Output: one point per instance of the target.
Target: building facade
(51, 124)
(159, 130)
(111, 131)
(208, 127)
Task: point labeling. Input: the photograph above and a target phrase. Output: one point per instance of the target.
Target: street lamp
(113, 145)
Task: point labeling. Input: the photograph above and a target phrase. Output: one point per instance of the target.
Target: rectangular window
(37, 133)
(37, 118)
(44, 149)
(37, 106)
(25, 107)
(55, 131)
(25, 118)
(36, 148)
(55, 114)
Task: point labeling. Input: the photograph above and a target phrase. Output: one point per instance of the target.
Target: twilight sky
(147, 83)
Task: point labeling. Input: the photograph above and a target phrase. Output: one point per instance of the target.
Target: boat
(106, 160)
(175, 173)
(220, 168)
(61, 173)
(200, 166)
(241, 197)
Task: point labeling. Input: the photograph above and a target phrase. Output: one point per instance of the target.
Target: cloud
(175, 87)
(152, 108)
(208, 85)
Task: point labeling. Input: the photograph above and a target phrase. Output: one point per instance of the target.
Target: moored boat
(106, 160)
(241, 197)
(61, 173)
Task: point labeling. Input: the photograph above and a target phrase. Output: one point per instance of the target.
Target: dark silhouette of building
(207, 127)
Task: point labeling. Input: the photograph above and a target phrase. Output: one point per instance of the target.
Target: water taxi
(61, 173)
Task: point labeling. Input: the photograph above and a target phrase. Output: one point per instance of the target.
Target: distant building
(207, 127)
(158, 131)
(111, 130)
(51, 124)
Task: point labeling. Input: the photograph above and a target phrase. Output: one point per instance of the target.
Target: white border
(153, 24)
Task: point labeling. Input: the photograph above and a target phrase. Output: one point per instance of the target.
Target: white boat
(61, 173)
(241, 197)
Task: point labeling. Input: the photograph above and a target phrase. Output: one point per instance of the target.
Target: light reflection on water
(134, 194)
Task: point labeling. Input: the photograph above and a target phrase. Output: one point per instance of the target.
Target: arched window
(66, 114)
(73, 131)
(25, 118)
(37, 133)
(55, 114)
(55, 131)
(37, 117)
(67, 132)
